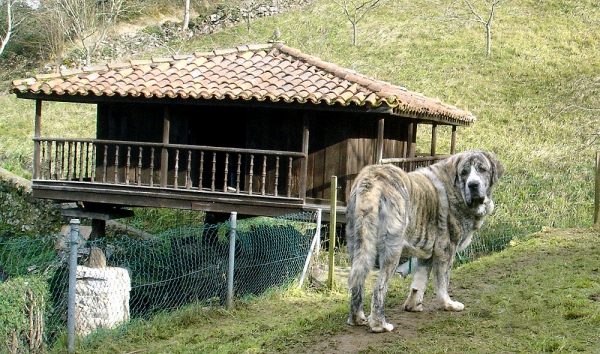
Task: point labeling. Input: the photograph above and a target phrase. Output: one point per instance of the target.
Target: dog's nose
(473, 185)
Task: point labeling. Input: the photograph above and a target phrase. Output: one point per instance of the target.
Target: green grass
(533, 297)
(535, 96)
(536, 99)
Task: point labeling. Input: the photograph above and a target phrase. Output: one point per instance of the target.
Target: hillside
(539, 295)
(535, 96)
(536, 101)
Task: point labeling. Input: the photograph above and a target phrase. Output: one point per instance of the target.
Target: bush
(23, 308)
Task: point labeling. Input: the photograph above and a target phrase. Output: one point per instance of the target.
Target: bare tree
(53, 36)
(86, 22)
(186, 16)
(355, 11)
(484, 16)
(11, 23)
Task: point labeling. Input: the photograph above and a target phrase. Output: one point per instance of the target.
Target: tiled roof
(254, 72)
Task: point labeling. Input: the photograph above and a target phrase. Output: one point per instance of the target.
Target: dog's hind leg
(362, 260)
(414, 302)
(388, 264)
(356, 282)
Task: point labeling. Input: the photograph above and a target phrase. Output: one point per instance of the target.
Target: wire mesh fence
(122, 278)
(118, 279)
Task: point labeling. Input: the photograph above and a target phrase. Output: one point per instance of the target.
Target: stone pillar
(101, 298)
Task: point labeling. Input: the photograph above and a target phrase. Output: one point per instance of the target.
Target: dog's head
(476, 172)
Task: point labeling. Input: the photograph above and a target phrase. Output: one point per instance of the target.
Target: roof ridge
(153, 61)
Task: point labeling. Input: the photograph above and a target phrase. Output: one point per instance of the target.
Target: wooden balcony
(141, 174)
(130, 173)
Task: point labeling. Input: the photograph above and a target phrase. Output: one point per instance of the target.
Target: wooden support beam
(433, 139)
(409, 138)
(380, 136)
(304, 162)
(164, 157)
(453, 142)
(37, 132)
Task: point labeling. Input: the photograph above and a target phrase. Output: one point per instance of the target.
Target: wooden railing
(202, 168)
(412, 163)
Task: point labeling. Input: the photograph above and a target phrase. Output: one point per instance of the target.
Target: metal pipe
(312, 247)
(72, 284)
(332, 224)
(233, 222)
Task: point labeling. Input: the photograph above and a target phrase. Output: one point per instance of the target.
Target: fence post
(312, 247)
(72, 284)
(332, 223)
(597, 189)
(233, 223)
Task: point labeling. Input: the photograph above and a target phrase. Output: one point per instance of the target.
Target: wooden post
(453, 141)
(597, 190)
(380, 141)
(332, 223)
(164, 157)
(304, 161)
(37, 132)
(409, 140)
(433, 138)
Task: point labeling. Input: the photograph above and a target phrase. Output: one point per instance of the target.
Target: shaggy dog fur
(430, 213)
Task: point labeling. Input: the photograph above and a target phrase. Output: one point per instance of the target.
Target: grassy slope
(536, 100)
(535, 298)
(532, 96)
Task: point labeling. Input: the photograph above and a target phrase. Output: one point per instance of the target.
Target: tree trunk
(488, 38)
(186, 16)
(8, 26)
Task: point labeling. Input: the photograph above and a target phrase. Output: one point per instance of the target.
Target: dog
(430, 213)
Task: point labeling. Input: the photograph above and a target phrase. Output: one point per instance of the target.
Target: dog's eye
(481, 169)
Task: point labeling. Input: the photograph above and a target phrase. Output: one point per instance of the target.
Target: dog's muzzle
(477, 197)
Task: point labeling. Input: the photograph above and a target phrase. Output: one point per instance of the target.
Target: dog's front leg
(441, 269)
(414, 302)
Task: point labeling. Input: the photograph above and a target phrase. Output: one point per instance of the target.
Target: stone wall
(20, 213)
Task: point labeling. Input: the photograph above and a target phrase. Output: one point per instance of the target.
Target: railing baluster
(188, 171)
(81, 162)
(128, 165)
(201, 170)
(264, 175)
(138, 178)
(276, 175)
(239, 173)
(251, 174)
(116, 164)
(93, 167)
(69, 164)
(176, 172)
(214, 170)
(105, 164)
(226, 172)
(49, 170)
(152, 167)
(42, 159)
(289, 179)
(62, 161)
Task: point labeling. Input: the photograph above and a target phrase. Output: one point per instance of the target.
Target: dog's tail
(361, 232)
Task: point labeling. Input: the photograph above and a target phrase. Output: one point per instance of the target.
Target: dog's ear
(497, 167)
(452, 164)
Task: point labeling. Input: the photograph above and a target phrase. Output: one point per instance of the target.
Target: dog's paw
(359, 320)
(454, 306)
(382, 327)
(418, 307)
